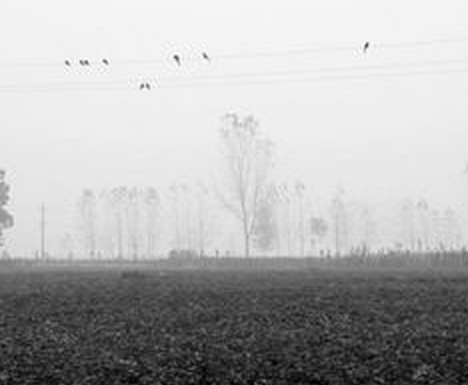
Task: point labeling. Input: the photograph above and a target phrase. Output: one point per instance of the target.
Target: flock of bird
(144, 85)
(176, 58)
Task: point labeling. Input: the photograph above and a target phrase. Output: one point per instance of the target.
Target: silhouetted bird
(366, 47)
(176, 59)
(205, 56)
(144, 86)
(84, 62)
(67, 63)
(105, 61)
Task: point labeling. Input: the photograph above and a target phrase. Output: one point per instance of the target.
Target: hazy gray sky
(381, 136)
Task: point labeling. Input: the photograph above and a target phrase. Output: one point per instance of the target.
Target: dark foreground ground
(329, 327)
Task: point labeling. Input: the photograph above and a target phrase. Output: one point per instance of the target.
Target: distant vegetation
(6, 219)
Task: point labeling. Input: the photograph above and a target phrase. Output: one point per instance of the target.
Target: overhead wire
(321, 70)
(234, 56)
(237, 82)
(399, 69)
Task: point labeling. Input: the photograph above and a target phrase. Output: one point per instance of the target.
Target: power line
(245, 82)
(388, 66)
(415, 69)
(320, 79)
(207, 57)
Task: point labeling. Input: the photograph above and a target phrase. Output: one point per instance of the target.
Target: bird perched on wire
(205, 56)
(176, 58)
(366, 46)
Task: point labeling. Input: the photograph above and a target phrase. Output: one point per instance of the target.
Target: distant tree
(301, 230)
(133, 219)
(186, 195)
(174, 191)
(204, 218)
(318, 230)
(249, 160)
(118, 197)
(6, 219)
(265, 231)
(369, 228)
(423, 210)
(285, 224)
(408, 224)
(87, 207)
(340, 222)
(152, 211)
(452, 228)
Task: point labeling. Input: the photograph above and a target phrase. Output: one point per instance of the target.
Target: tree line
(267, 217)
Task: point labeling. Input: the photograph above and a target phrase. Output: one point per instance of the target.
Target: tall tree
(118, 197)
(204, 218)
(318, 230)
(152, 210)
(6, 219)
(339, 214)
(87, 206)
(249, 160)
(132, 210)
(265, 231)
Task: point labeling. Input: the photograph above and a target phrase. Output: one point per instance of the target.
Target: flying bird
(105, 61)
(366, 46)
(144, 86)
(205, 56)
(176, 59)
(67, 63)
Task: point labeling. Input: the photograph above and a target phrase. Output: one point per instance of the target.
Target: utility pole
(43, 254)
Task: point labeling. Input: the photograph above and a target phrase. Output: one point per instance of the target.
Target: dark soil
(114, 327)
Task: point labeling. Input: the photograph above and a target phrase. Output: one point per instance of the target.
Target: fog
(384, 126)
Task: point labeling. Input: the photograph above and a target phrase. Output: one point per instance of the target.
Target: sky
(386, 124)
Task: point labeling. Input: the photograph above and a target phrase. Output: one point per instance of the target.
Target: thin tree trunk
(247, 244)
(246, 238)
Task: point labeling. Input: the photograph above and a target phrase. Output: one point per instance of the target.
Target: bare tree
(265, 231)
(318, 230)
(87, 206)
(423, 210)
(204, 218)
(249, 160)
(152, 210)
(408, 224)
(338, 210)
(299, 190)
(6, 219)
(132, 209)
(175, 197)
(118, 198)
